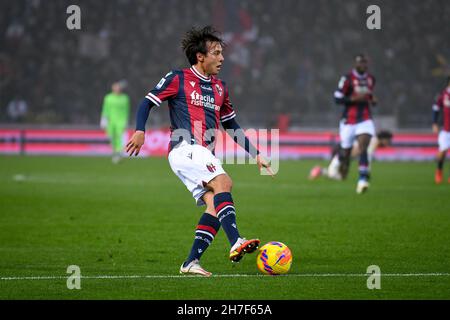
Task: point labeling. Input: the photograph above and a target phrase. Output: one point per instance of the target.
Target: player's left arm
(227, 118)
(237, 133)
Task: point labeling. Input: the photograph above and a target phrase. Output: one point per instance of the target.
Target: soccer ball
(274, 258)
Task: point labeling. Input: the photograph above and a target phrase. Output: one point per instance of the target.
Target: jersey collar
(199, 75)
(359, 76)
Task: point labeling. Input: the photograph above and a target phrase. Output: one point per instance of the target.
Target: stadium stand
(284, 59)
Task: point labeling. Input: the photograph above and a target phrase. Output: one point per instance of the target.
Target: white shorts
(444, 140)
(348, 132)
(195, 166)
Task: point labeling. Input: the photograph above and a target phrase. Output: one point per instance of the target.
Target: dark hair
(195, 40)
(384, 134)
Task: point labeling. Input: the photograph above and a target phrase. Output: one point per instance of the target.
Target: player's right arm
(228, 120)
(436, 110)
(137, 140)
(166, 88)
(343, 92)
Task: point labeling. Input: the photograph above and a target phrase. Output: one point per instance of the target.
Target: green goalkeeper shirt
(116, 109)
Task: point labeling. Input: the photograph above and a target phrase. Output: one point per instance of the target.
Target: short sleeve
(166, 88)
(344, 88)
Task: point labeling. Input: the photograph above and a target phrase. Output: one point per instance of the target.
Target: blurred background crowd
(283, 59)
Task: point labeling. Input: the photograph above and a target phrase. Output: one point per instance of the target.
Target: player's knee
(363, 147)
(364, 141)
(221, 183)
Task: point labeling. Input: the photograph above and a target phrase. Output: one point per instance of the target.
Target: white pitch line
(305, 275)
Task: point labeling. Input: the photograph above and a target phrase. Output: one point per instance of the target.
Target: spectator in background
(37, 53)
(17, 109)
(114, 118)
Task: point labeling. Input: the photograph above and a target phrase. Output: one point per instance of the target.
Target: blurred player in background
(198, 102)
(381, 140)
(114, 118)
(355, 93)
(442, 106)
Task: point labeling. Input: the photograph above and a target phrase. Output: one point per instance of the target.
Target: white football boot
(241, 247)
(195, 268)
(116, 158)
(362, 186)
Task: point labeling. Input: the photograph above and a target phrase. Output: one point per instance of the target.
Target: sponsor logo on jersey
(362, 85)
(203, 101)
(192, 83)
(362, 89)
(207, 88)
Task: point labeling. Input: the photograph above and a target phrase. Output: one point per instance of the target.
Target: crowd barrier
(290, 145)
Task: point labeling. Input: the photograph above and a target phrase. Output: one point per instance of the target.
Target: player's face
(213, 59)
(361, 65)
(384, 142)
(116, 88)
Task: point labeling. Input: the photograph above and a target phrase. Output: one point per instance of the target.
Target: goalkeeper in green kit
(114, 119)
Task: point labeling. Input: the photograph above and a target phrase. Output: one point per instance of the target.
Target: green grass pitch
(130, 226)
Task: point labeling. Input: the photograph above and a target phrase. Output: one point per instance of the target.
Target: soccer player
(381, 140)
(114, 118)
(198, 101)
(442, 106)
(355, 93)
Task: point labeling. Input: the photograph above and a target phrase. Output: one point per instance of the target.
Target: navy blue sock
(440, 164)
(223, 202)
(364, 166)
(204, 234)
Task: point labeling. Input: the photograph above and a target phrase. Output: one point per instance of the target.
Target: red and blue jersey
(442, 106)
(350, 84)
(197, 104)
